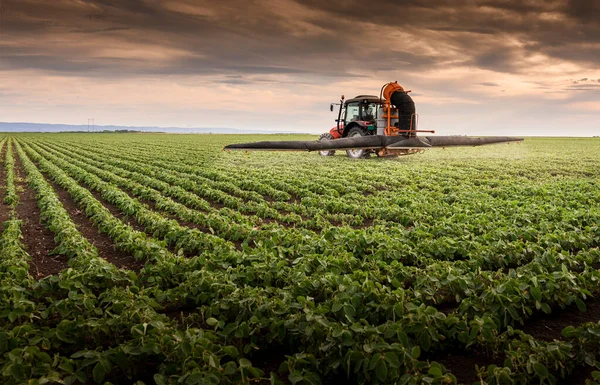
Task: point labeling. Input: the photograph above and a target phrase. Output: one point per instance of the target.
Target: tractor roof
(369, 98)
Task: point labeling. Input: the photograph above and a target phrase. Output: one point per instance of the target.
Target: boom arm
(374, 142)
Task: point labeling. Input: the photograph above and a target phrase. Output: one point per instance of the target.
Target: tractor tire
(326, 136)
(357, 153)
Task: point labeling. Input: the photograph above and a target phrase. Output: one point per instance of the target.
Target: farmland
(163, 259)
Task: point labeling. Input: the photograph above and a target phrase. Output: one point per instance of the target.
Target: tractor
(392, 113)
(385, 125)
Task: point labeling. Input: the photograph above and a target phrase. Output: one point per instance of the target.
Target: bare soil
(548, 327)
(214, 204)
(578, 376)
(114, 210)
(37, 239)
(105, 245)
(4, 209)
(152, 205)
(462, 364)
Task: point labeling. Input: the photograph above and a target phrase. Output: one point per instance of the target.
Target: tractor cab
(362, 108)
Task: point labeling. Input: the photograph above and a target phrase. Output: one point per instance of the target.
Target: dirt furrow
(4, 209)
(105, 245)
(38, 240)
(462, 364)
(548, 327)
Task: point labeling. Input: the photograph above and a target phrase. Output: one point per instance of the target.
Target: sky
(475, 67)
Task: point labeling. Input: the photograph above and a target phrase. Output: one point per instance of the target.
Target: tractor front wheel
(326, 136)
(357, 153)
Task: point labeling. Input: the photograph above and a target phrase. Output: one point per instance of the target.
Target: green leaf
(594, 331)
(580, 304)
(540, 370)
(295, 377)
(61, 335)
(245, 363)
(98, 373)
(536, 293)
(212, 321)
(435, 370)
(568, 331)
(229, 368)
(193, 379)
(415, 352)
(349, 310)
(392, 359)
(546, 309)
(381, 370)
(160, 379)
(275, 380)
(18, 371)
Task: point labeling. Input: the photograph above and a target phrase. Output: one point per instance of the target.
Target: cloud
(303, 36)
(469, 52)
(583, 87)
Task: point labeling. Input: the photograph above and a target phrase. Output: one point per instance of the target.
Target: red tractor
(392, 114)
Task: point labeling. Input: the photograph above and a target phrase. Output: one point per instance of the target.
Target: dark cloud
(305, 37)
(100, 30)
(500, 60)
(584, 10)
(488, 84)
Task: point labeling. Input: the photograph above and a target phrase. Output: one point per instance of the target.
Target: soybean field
(162, 259)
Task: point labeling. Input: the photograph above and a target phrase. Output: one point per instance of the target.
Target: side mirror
(331, 107)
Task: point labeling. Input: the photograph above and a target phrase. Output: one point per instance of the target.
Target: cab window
(352, 112)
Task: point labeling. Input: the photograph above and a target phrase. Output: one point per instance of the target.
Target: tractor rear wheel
(357, 153)
(326, 136)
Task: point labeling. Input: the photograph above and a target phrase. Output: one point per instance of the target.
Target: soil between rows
(106, 247)
(548, 327)
(462, 364)
(4, 209)
(114, 210)
(152, 205)
(578, 376)
(37, 239)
